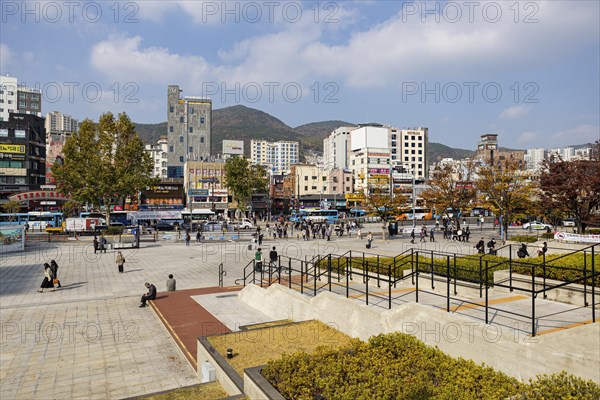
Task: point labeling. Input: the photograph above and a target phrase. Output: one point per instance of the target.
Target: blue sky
(528, 71)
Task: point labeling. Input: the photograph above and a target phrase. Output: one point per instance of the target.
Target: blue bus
(36, 220)
(317, 215)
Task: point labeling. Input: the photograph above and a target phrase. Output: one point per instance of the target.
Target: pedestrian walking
(120, 260)
(369, 240)
(198, 236)
(412, 236)
(95, 244)
(54, 268)
(47, 282)
(421, 236)
(359, 234)
(187, 238)
(102, 243)
(431, 235)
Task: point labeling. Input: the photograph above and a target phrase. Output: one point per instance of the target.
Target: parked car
(164, 226)
(538, 226)
(103, 227)
(245, 224)
(568, 222)
(212, 226)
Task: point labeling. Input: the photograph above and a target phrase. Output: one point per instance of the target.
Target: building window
(3, 132)
(420, 144)
(180, 158)
(191, 129)
(412, 138)
(305, 188)
(190, 149)
(420, 152)
(201, 120)
(170, 149)
(405, 137)
(170, 129)
(22, 104)
(305, 178)
(191, 110)
(324, 178)
(19, 133)
(180, 119)
(171, 109)
(180, 139)
(314, 188)
(201, 139)
(335, 188)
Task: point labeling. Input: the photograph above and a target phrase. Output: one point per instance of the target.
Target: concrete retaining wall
(231, 382)
(513, 352)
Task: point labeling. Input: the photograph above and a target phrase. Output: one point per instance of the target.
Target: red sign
(39, 194)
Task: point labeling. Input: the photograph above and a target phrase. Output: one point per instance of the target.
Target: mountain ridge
(244, 123)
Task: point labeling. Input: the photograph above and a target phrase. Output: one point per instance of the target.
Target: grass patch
(258, 346)
(266, 324)
(208, 391)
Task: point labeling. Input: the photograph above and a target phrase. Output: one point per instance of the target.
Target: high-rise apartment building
(159, 152)
(534, 158)
(189, 125)
(277, 157)
(59, 127)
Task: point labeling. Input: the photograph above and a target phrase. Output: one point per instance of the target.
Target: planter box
(257, 387)
(231, 382)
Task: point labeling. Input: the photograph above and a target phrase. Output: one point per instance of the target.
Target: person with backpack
(273, 257)
(522, 252)
(480, 246)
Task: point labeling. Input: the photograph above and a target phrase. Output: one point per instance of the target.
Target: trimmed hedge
(399, 366)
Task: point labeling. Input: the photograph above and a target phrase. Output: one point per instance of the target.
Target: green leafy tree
(12, 207)
(104, 163)
(242, 179)
(573, 187)
(506, 189)
(449, 190)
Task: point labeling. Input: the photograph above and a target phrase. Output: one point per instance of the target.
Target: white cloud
(6, 58)
(122, 59)
(577, 135)
(514, 112)
(395, 51)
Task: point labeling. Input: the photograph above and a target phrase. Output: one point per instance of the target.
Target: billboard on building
(233, 147)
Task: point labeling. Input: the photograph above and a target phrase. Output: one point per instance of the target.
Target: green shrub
(399, 366)
(560, 386)
(592, 231)
(524, 238)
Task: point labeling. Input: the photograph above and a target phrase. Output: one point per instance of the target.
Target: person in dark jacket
(480, 246)
(54, 268)
(151, 295)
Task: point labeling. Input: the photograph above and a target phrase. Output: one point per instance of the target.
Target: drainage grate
(226, 295)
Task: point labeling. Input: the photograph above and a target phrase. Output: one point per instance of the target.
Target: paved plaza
(89, 339)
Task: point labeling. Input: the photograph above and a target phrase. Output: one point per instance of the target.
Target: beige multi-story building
(57, 122)
(158, 152)
(204, 185)
(408, 147)
(276, 157)
(370, 168)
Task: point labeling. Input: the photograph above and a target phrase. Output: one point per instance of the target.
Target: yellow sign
(12, 148)
(379, 176)
(355, 196)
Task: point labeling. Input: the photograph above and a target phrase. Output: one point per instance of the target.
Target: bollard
(230, 353)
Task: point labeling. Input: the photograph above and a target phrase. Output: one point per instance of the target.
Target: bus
(35, 220)
(318, 215)
(115, 216)
(196, 216)
(421, 213)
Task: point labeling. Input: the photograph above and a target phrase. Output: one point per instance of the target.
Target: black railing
(329, 271)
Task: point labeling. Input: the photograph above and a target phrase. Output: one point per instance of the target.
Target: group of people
(491, 245)
(151, 293)
(50, 277)
(100, 245)
(522, 252)
(258, 259)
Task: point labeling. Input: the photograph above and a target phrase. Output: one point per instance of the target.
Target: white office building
(8, 96)
(336, 148)
(159, 154)
(277, 157)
